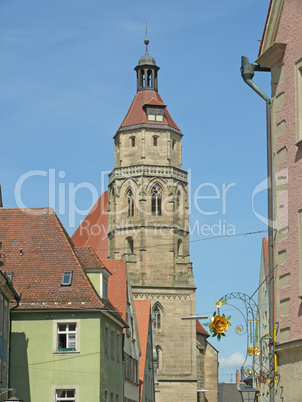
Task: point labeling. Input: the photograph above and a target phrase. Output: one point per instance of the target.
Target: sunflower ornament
(218, 324)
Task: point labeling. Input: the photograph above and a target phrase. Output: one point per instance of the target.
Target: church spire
(146, 40)
(146, 71)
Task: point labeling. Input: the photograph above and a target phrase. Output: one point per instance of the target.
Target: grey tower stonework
(148, 225)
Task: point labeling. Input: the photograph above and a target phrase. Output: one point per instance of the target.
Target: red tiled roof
(88, 258)
(38, 250)
(117, 285)
(143, 311)
(137, 115)
(93, 229)
(200, 329)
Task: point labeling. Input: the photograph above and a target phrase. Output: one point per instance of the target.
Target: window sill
(66, 352)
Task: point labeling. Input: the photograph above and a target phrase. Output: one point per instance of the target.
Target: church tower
(148, 225)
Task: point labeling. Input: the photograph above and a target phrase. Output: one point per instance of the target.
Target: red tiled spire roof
(143, 311)
(137, 115)
(200, 329)
(93, 229)
(38, 250)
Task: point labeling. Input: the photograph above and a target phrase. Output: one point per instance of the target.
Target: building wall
(287, 164)
(158, 264)
(180, 390)
(132, 347)
(263, 308)
(126, 155)
(148, 393)
(207, 370)
(35, 368)
(211, 373)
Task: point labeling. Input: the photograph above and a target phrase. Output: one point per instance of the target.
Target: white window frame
(55, 388)
(56, 324)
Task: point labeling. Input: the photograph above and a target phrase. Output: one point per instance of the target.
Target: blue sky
(67, 81)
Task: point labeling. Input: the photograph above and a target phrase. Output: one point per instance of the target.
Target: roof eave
(158, 126)
(270, 57)
(271, 25)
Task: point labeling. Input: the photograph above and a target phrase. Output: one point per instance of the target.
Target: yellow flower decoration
(218, 304)
(257, 351)
(220, 324)
(250, 351)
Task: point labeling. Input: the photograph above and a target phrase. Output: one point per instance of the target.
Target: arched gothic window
(156, 200)
(179, 247)
(157, 311)
(129, 245)
(159, 356)
(130, 203)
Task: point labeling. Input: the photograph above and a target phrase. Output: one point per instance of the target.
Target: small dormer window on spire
(155, 114)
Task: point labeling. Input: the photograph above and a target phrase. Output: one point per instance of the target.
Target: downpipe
(247, 72)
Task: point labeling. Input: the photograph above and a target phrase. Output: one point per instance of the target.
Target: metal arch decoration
(256, 347)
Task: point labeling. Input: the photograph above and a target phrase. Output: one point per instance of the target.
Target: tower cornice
(148, 170)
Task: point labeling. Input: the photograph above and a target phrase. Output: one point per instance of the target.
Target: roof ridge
(50, 209)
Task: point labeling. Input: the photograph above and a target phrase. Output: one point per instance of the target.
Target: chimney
(237, 379)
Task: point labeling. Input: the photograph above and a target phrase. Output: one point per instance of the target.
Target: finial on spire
(146, 40)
